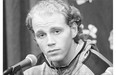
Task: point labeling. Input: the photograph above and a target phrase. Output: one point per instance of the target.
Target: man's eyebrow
(56, 28)
(39, 31)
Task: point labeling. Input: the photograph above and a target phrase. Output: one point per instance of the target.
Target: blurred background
(18, 40)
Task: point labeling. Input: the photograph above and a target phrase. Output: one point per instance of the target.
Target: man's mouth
(54, 50)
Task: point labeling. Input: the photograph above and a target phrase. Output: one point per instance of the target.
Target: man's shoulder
(91, 51)
(35, 70)
(93, 59)
(96, 62)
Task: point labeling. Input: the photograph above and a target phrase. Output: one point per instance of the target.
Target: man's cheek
(42, 47)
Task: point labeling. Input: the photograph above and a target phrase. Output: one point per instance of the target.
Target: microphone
(30, 60)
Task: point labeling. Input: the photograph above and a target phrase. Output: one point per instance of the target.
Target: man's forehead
(47, 21)
(44, 19)
(45, 25)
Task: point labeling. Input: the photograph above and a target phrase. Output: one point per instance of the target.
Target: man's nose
(51, 41)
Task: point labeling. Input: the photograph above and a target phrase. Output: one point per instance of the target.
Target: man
(57, 31)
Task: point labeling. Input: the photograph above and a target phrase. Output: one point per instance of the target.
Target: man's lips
(54, 50)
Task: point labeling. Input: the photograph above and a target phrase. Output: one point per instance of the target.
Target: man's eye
(57, 32)
(41, 36)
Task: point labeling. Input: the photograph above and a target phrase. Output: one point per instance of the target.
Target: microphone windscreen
(32, 58)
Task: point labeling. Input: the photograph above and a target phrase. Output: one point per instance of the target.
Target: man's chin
(56, 58)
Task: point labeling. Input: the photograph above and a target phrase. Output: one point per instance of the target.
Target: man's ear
(74, 30)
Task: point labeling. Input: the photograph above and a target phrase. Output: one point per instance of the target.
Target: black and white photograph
(58, 37)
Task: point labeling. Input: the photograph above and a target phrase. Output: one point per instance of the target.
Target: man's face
(53, 36)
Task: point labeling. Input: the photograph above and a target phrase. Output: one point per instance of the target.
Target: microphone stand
(12, 71)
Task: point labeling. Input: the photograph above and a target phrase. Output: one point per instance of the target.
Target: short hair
(71, 13)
